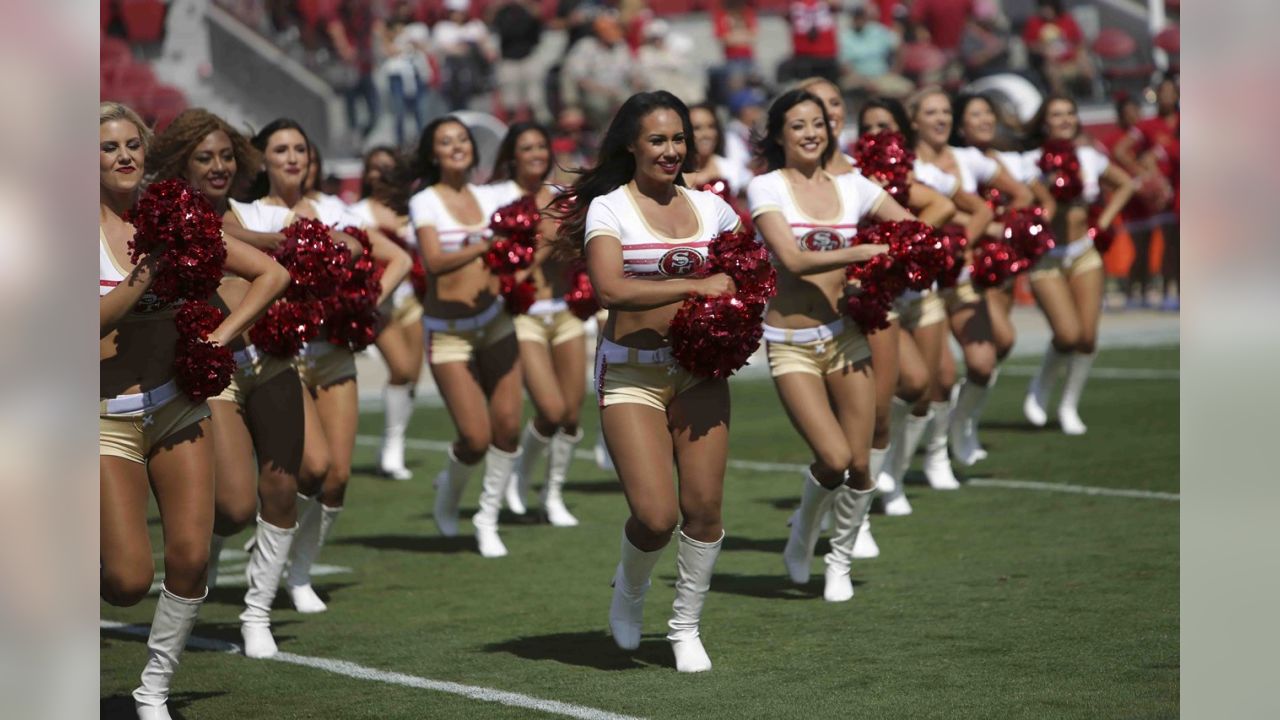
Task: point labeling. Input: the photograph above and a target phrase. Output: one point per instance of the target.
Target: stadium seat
(107, 13)
(1114, 44)
(1169, 40)
(114, 52)
(670, 7)
(143, 20)
(163, 104)
(920, 58)
(1122, 66)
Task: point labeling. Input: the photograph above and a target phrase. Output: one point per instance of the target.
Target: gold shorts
(623, 376)
(406, 311)
(1067, 264)
(918, 311)
(321, 364)
(460, 345)
(959, 296)
(817, 351)
(134, 436)
(549, 330)
(252, 369)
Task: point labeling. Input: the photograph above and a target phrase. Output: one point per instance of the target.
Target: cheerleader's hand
(715, 286)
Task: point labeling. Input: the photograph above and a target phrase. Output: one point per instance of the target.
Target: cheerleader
(886, 355)
(710, 164)
(471, 343)
(258, 420)
(552, 340)
(820, 361)
(328, 371)
(1068, 281)
(975, 127)
(963, 170)
(149, 432)
(644, 236)
(384, 204)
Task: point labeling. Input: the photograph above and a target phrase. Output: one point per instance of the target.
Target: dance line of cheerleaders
(274, 449)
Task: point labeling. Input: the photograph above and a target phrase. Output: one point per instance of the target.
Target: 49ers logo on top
(821, 239)
(680, 261)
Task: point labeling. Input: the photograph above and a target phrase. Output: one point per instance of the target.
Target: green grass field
(989, 602)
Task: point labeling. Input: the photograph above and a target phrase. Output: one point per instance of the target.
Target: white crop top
(111, 274)
(1019, 165)
(362, 211)
(974, 167)
(935, 177)
(426, 209)
(859, 197)
(259, 216)
(332, 211)
(1092, 165)
(645, 253)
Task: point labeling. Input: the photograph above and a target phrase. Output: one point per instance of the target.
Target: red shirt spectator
(944, 19)
(887, 10)
(726, 23)
(813, 28)
(1060, 37)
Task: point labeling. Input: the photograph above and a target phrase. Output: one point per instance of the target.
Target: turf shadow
(609, 486)
(120, 707)
(1019, 426)
(414, 543)
(593, 649)
(772, 587)
(735, 543)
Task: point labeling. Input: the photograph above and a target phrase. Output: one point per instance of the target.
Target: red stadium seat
(163, 104)
(671, 7)
(1169, 40)
(778, 7)
(1114, 44)
(114, 52)
(143, 20)
(309, 11)
(107, 13)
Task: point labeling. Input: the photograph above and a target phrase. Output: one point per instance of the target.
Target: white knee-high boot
(215, 552)
(850, 509)
(864, 545)
(450, 483)
(1041, 386)
(497, 472)
(603, 460)
(814, 501)
(266, 562)
(561, 455)
(913, 429)
(886, 481)
(1069, 409)
(170, 628)
(630, 584)
(397, 409)
(963, 432)
(533, 445)
(315, 522)
(937, 464)
(695, 562)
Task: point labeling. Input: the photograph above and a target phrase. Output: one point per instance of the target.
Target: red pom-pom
(518, 218)
(197, 318)
(176, 221)
(886, 158)
(953, 243)
(203, 369)
(351, 313)
(1103, 237)
(714, 337)
(286, 326)
(1026, 231)
(1060, 164)
(518, 296)
(315, 261)
(914, 259)
(739, 256)
(581, 296)
(994, 262)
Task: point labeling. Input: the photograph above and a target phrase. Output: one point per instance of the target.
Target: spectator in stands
(665, 62)
(350, 31)
(1161, 155)
(984, 46)
(575, 18)
(1056, 45)
(747, 107)
(736, 27)
(405, 44)
(597, 72)
(941, 22)
(813, 40)
(868, 53)
(466, 51)
(572, 144)
(518, 25)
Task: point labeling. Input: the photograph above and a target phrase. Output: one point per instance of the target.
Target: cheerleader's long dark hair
(261, 186)
(894, 108)
(616, 166)
(392, 188)
(504, 165)
(769, 147)
(426, 168)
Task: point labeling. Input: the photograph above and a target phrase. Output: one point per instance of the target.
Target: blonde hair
(812, 80)
(917, 99)
(109, 111)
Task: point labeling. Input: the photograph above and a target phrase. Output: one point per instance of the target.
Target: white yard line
(360, 672)
(757, 466)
